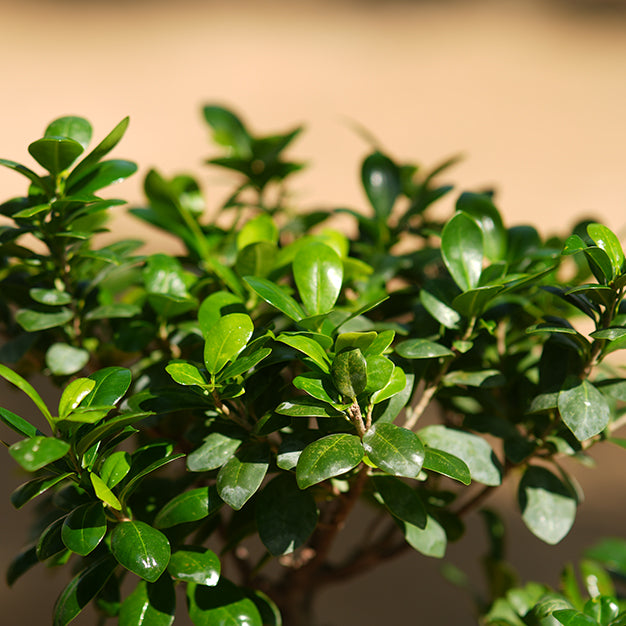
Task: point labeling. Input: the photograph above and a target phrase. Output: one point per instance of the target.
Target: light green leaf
(27, 388)
(318, 386)
(37, 452)
(141, 549)
(462, 250)
(308, 346)
(115, 468)
(74, 394)
(228, 130)
(422, 349)
(395, 450)
(216, 306)
(84, 528)
(104, 493)
(55, 153)
(447, 464)
(548, 506)
(430, 540)
(274, 295)
(195, 565)
(216, 449)
(50, 297)
(222, 605)
(71, 127)
(329, 456)
(150, 604)
(32, 321)
(18, 424)
(242, 475)
(606, 240)
(111, 385)
(285, 515)
(584, 409)
(185, 374)
(227, 339)
(396, 384)
(307, 407)
(189, 506)
(259, 229)
(481, 208)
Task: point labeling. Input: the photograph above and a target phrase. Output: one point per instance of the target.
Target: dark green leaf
(548, 506)
(481, 378)
(54, 153)
(439, 307)
(25, 171)
(228, 130)
(33, 488)
(17, 423)
(327, 457)
(422, 349)
(395, 450)
(401, 500)
(84, 528)
(382, 183)
(37, 452)
(318, 272)
(50, 541)
(227, 339)
(480, 207)
(115, 468)
(25, 560)
(32, 321)
(141, 549)
(447, 464)
(349, 372)
(222, 605)
(111, 385)
(474, 451)
(150, 604)
(189, 506)
(462, 250)
(242, 475)
(285, 515)
(256, 259)
(606, 240)
(474, 301)
(584, 409)
(81, 590)
(195, 565)
(307, 407)
(104, 174)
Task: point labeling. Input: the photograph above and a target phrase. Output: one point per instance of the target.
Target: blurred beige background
(533, 92)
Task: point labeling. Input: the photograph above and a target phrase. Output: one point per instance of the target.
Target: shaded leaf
(189, 506)
(150, 604)
(141, 549)
(401, 500)
(84, 528)
(242, 475)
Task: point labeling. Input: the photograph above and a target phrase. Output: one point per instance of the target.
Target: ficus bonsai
(232, 406)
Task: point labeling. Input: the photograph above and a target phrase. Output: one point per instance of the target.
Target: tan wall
(535, 97)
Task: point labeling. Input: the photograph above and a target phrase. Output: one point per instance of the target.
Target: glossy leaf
(329, 456)
(606, 240)
(242, 475)
(439, 308)
(50, 542)
(55, 154)
(317, 385)
(17, 423)
(422, 349)
(115, 468)
(396, 385)
(185, 374)
(71, 127)
(81, 590)
(74, 394)
(189, 506)
(274, 295)
(111, 385)
(475, 301)
(195, 565)
(379, 372)
(394, 449)
(149, 604)
(84, 528)
(50, 297)
(318, 272)
(104, 493)
(462, 250)
(228, 338)
(15, 379)
(447, 464)
(285, 515)
(308, 346)
(548, 505)
(258, 229)
(307, 407)
(33, 488)
(584, 410)
(481, 208)
(401, 500)
(216, 306)
(141, 549)
(430, 540)
(32, 321)
(37, 452)
(216, 449)
(222, 605)
(228, 130)
(104, 174)
(349, 372)
(473, 450)
(381, 180)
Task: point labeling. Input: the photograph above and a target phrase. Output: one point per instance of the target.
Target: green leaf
(606, 240)
(81, 590)
(361, 340)
(216, 449)
(307, 407)
(32, 321)
(195, 565)
(548, 505)
(185, 374)
(216, 306)
(189, 506)
(349, 372)
(87, 165)
(55, 153)
(382, 183)
(308, 346)
(242, 475)
(462, 250)
(395, 450)
(74, 394)
(256, 259)
(50, 297)
(474, 301)
(422, 349)
(27, 388)
(84, 528)
(473, 450)
(430, 540)
(447, 464)
(228, 130)
(611, 553)
(329, 456)
(571, 617)
(227, 339)
(141, 549)
(258, 229)
(50, 542)
(18, 424)
(584, 409)
(285, 515)
(318, 386)
(222, 605)
(150, 604)
(481, 378)
(115, 468)
(395, 386)
(118, 310)
(244, 364)
(37, 452)
(318, 272)
(104, 174)
(438, 306)
(274, 295)
(401, 500)
(480, 207)
(33, 488)
(111, 385)
(21, 563)
(379, 372)
(71, 127)
(270, 615)
(104, 493)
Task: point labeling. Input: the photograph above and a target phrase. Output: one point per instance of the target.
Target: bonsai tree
(231, 407)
